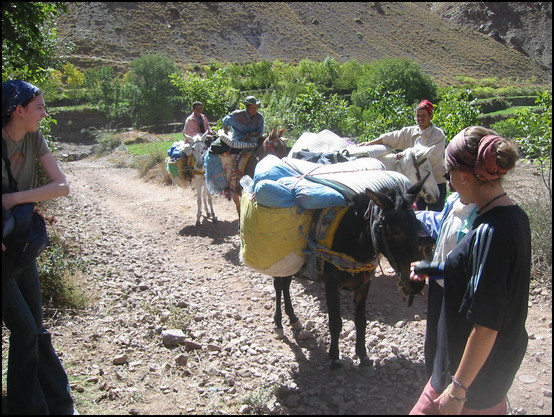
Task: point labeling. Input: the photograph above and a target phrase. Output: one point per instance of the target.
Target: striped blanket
(353, 177)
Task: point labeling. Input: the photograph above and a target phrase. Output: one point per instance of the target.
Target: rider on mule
(247, 125)
(196, 124)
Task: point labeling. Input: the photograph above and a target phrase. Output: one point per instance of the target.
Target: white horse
(196, 173)
(412, 162)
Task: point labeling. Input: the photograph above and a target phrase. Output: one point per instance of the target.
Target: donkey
(272, 144)
(377, 222)
(194, 171)
(412, 162)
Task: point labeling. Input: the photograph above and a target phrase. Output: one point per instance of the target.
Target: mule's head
(394, 229)
(274, 144)
(199, 146)
(414, 164)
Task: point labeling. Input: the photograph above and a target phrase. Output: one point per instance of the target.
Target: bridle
(383, 229)
(416, 164)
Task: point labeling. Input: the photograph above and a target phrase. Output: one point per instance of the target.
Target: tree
(536, 141)
(384, 112)
(153, 97)
(456, 110)
(313, 112)
(213, 90)
(29, 39)
(396, 74)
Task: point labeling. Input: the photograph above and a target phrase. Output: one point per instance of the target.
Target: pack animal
(272, 144)
(377, 222)
(195, 172)
(412, 162)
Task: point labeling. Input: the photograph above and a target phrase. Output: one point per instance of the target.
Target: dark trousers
(37, 382)
(434, 304)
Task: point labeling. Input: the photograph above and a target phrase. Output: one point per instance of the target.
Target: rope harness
(325, 224)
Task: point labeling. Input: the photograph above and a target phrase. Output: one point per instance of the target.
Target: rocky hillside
(476, 39)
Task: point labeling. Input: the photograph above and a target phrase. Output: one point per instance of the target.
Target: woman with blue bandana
(36, 380)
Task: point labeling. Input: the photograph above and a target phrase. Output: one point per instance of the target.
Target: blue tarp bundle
(277, 184)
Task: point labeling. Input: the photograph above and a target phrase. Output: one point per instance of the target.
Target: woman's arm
(477, 350)
(57, 187)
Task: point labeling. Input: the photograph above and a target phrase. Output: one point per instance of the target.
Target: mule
(194, 172)
(270, 144)
(377, 222)
(413, 162)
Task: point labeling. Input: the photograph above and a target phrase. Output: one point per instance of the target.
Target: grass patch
(145, 149)
(512, 110)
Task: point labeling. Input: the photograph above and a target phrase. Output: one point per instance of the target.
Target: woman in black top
(481, 337)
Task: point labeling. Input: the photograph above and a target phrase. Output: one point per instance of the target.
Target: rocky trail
(150, 270)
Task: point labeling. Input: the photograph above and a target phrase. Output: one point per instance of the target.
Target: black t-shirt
(486, 283)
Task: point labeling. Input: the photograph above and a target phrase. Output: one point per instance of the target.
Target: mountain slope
(204, 32)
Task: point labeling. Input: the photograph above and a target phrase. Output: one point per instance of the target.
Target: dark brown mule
(272, 144)
(376, 222)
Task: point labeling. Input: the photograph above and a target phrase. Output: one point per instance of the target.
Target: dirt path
(150, 269)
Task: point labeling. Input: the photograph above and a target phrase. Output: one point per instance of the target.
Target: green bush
(59, 269)
(536, 140)
(384, 112)
(153, 98)
(393, 75)
(213, 91)
(456, 110)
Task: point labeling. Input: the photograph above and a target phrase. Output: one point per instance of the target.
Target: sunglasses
(446, 176)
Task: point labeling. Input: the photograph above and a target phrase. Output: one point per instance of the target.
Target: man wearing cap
(247, 125)
(426, 134)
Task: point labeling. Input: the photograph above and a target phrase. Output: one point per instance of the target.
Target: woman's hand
(416, 277)
(450, 404)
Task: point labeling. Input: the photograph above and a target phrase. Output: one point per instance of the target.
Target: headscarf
(483, 165)
(14, 93)
(426, 105)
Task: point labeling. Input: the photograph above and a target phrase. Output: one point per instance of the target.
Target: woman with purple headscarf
(481, 337)
(37, 382)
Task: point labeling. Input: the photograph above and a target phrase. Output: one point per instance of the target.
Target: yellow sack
(270, 239)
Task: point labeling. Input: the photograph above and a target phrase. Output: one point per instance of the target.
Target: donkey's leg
(294, 321)
(360, 297)
(335, 321)
(208, 197)
(198, 204)
(278, 332)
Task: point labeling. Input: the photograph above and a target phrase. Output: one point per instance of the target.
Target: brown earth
(477, 39)
(151, 269)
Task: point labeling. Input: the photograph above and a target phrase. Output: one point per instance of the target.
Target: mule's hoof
(278, 333)
(296, 325)
(336, 364)
(303, 335)
(366, 363)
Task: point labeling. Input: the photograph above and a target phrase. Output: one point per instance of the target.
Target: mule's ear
(188, 137)
(425, 154)
(416, 188)
(382, 200)
(282, 131)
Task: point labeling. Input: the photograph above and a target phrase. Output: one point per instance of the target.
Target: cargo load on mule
(335, 234)
(287, 194)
